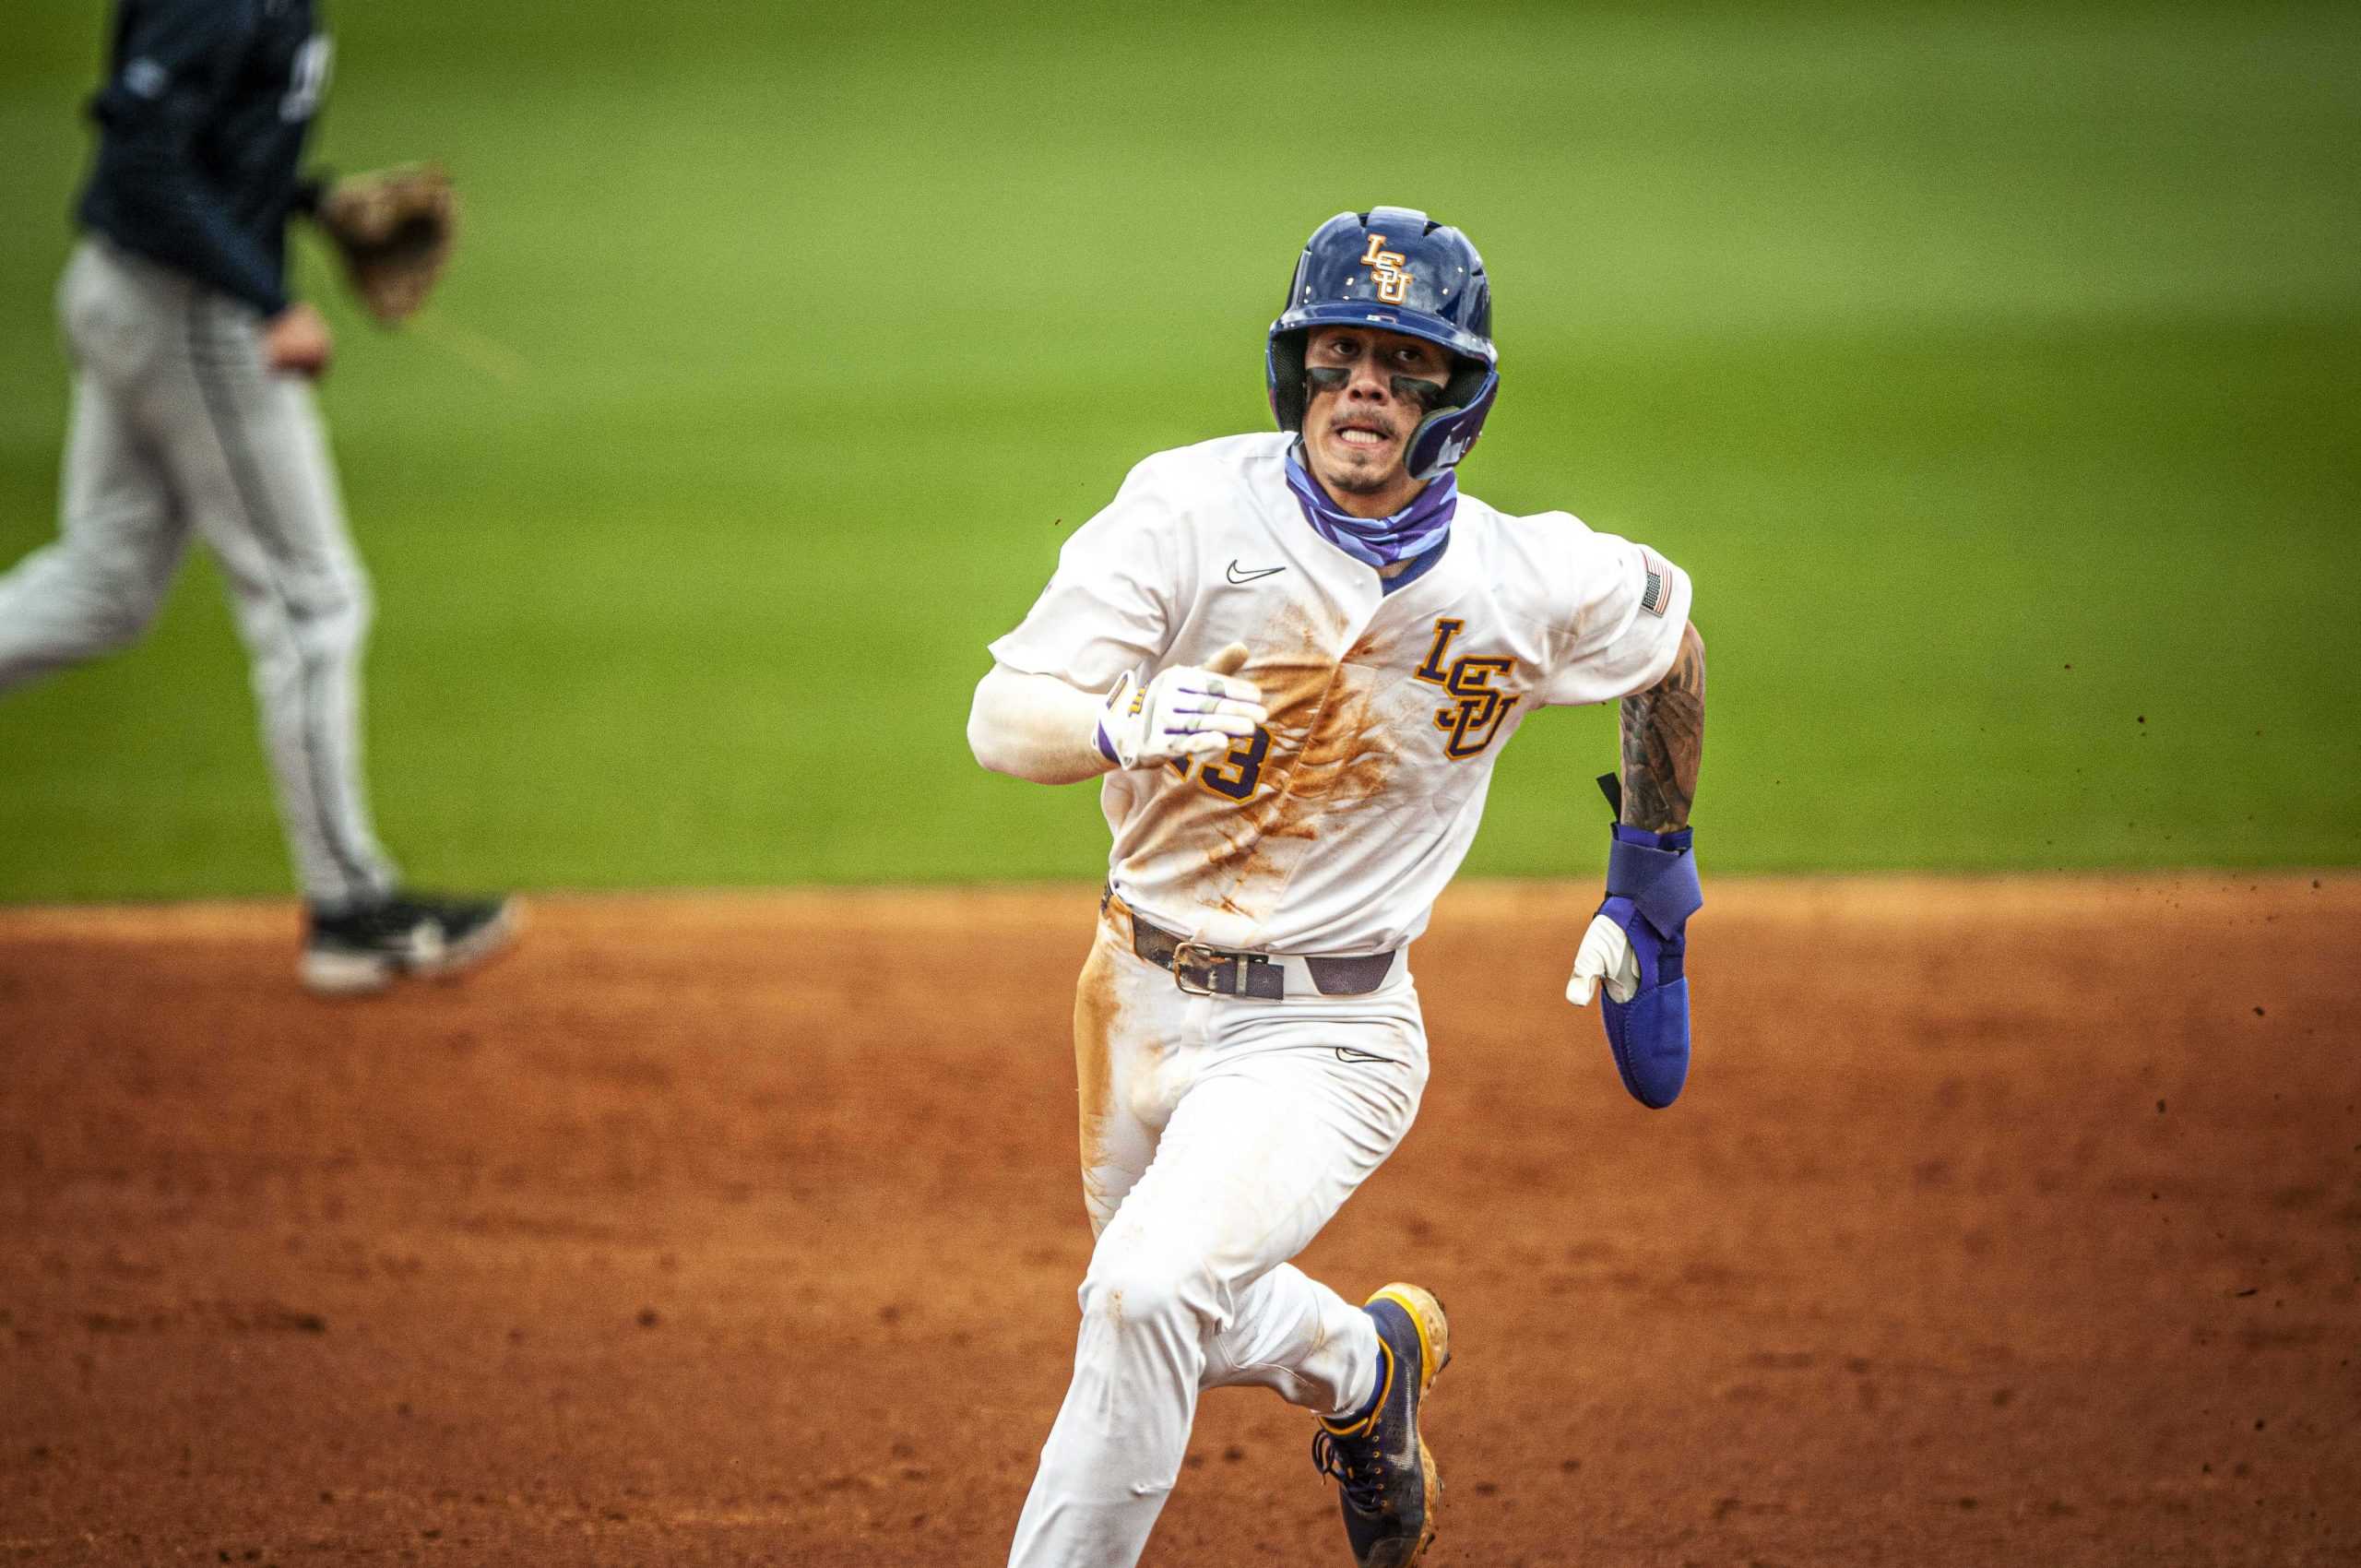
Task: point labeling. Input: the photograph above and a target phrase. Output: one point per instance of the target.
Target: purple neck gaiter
(1376, 541)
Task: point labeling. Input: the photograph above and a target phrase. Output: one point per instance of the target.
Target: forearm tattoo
(1664, 737)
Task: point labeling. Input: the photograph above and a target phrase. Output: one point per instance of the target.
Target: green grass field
(1995, 370)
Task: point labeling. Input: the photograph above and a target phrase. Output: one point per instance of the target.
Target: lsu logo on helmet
(1386, 269)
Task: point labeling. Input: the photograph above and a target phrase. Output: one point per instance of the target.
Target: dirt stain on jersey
(1098, 1009)
(1332, 750)
(1349, 757)
(1335, 725)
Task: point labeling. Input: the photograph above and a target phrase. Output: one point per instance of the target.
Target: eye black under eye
(1418, 391)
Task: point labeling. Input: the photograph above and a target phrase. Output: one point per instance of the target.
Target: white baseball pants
(177, 427)
(1219, 1135)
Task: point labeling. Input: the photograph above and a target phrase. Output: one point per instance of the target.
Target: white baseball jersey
(1332, 830)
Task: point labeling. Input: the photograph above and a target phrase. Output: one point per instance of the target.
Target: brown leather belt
(1211, 971)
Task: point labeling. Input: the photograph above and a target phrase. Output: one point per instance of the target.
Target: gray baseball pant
(178, 427)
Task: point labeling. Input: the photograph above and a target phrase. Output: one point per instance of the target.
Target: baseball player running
(1294, 660)
(194, 415)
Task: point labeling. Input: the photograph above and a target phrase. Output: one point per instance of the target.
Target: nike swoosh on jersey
(1347, 1055)
(1243, 577)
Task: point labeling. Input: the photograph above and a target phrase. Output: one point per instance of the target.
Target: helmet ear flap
(1282, 375)
(1449, 434)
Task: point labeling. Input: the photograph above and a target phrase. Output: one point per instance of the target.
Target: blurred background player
(1294, 658)
(194, 413)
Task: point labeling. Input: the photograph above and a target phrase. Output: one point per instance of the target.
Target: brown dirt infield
(2003, 1222)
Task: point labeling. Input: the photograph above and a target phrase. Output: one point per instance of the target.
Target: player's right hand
(296, 342)
(1186, 710)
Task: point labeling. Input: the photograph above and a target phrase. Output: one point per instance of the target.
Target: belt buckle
(1180, 968)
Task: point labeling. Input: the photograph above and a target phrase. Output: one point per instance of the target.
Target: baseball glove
(394, 229)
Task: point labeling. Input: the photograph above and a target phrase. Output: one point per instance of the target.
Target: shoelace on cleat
(1333, 1456)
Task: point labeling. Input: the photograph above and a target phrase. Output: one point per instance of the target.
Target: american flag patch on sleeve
(1657, 593)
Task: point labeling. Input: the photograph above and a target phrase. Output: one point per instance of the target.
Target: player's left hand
(1638, 944)
(1606, 954)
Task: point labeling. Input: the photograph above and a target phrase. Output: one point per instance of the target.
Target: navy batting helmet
(1400, 271)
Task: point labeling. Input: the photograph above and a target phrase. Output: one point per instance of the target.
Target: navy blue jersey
(201, 126)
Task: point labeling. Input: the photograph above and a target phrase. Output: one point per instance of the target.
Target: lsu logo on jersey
(1385, 266)
(1479, 711)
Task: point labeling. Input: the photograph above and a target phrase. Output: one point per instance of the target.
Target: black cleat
(369, 946)
(1381, 1464)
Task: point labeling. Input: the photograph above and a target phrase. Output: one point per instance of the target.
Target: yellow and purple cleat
(1381, 1463)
